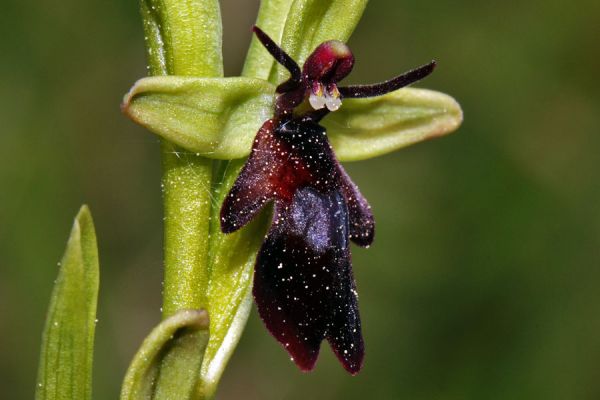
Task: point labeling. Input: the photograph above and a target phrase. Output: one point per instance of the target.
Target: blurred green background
(484, 279)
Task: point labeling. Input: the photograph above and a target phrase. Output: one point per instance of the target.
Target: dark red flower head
(331, 62)
(303, 283)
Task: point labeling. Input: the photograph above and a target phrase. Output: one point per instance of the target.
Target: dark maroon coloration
(379, 89)
(303, 283)
(331, 62)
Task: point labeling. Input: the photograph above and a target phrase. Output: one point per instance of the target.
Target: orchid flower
(303, 284)
(306, 121)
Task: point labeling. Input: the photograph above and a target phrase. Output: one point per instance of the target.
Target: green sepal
(167, 365)
(186, 110)
(366, 128)
(213, 117)
(65, 369)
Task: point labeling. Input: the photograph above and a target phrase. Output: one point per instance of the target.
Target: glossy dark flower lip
(303, 283)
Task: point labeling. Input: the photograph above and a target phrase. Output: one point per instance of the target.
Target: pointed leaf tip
(65, 369)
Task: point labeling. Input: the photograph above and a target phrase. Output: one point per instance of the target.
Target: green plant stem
(177, 43)
(186, 184)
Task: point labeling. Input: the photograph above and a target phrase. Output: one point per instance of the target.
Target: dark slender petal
(379, 89)
(303, 283)
(289, 86)
(254, 187)
(362, 223)
(278, 54)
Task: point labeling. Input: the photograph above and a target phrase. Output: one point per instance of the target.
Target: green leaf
(366, 128)
(65, 370)
(232, 258)
(215, 117)
(167, 366)
(312, 22)
(271, 19)
(183, 37)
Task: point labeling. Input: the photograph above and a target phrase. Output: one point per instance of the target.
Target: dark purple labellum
(303, 283)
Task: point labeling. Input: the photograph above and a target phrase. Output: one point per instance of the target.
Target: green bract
(230, 288)
(167, 366)
(65, 370)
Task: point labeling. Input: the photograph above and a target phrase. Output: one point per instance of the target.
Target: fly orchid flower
(303, 282)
